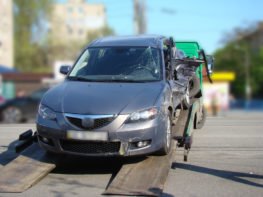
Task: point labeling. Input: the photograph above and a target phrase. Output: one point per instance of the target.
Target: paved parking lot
(226, 160)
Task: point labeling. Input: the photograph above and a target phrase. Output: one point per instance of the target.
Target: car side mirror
(210, 63)
(64, 69)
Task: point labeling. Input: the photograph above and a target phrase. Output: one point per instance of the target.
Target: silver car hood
(102, 98)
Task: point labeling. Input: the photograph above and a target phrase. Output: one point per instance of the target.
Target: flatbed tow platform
(26, 170)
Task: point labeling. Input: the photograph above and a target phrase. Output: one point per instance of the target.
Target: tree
(101, 32)
(29, 15)
(69, 50)
(232, 57)
(33, 55)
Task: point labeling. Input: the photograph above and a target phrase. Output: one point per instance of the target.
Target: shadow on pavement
(159, 192)
(69, 164)
(167, 195)
(230, 175)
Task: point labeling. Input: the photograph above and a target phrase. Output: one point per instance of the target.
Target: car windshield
(122, 64)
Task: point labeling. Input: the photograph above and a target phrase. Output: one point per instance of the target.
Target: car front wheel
(167, 138)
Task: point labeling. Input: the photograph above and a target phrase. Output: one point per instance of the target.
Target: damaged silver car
(117, 99)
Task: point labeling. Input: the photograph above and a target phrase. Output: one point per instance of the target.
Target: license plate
(87, 135)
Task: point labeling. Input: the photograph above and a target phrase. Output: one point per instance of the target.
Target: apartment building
(72, 19)
(6, 33)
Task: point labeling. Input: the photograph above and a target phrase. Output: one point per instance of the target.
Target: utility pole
(140, 24)
(248, 89)
(247, 78)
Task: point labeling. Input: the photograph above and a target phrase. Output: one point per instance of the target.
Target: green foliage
(28, 15)
(32, 55)
(232, 57)
(102, 32)
(257, 73)
(66, 51)
(69, 50)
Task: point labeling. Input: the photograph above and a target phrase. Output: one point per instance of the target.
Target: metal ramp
(145, 178)
(25, 170)
(141, 177)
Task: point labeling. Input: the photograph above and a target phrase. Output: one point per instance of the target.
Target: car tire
(167, 138)
(192, 89)
(12, 115)
(187, 102)
(200, 124)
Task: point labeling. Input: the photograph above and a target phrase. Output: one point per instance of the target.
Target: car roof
(139, 40)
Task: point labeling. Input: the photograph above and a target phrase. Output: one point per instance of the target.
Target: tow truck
(186, 66)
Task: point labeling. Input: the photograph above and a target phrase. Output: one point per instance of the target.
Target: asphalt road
(226, 160)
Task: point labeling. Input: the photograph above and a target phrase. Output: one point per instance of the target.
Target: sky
(204, 21)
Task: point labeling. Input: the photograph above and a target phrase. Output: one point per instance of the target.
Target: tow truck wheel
(167, 141)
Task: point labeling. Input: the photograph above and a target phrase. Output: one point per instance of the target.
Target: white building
(6, 33)
(72, 20)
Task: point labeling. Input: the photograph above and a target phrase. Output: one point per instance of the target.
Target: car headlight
(148, 114)
(46, 113)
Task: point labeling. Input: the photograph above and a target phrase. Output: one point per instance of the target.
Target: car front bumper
(123, 139)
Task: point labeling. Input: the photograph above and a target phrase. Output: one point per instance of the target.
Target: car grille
(88, 147)
(98, 123)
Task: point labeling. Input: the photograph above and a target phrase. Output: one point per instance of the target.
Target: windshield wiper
(79, 78)
(76, 78)
(126, 80)
(119, 80)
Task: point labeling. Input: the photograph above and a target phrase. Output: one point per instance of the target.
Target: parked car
(119, 98)
(21, 109)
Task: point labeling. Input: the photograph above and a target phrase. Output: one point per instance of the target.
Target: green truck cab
(191, 49)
